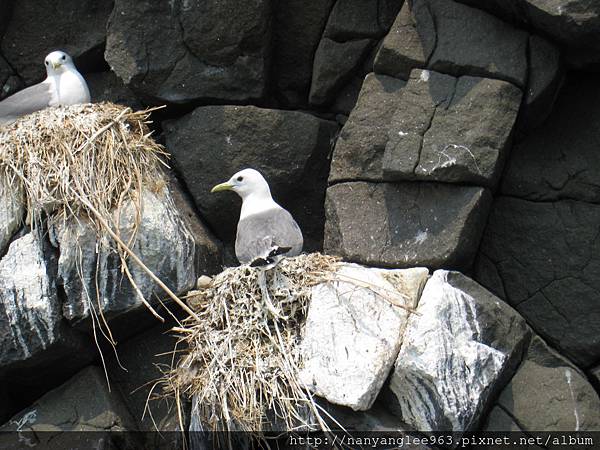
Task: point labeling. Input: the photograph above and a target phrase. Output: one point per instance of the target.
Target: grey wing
(260, 233)
(27, 101)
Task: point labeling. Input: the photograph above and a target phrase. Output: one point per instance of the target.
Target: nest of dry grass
(242, 355)
(82, 159)
(85, 161)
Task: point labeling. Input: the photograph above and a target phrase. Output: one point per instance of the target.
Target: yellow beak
(55, 65)
(222, 187)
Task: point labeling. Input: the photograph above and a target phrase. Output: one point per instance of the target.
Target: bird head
(57, 62)
(244, 183)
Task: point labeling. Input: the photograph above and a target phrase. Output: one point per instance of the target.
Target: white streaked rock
(456, 354)
(11, 210)
(30, 312)
(90, 269)
(353, 332)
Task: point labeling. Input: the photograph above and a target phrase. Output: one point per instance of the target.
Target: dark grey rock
(549, 394)
(347, 97)
(560, 159)
(36, 28)
(451, 129)
(181, 51)
(545, 257)
(297, 29)
(595, 374)
(334, 64)
(456, 355)
(90, 270)
(353, 19)
(401, 50)
(405, 224)
(290, 148)
(361, 143)
(144, 357)
(543, 83)
(83, 403)
(573, 24)
(466, 41)
(9, 81)
(107, 87)
(498, 420)
(32, 334)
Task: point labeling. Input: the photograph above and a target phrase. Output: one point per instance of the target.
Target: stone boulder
(297, 29)
(451, 129)
(402, 49)
(82, 404)
(360, 146)
(457, 353)
(353, 28)
(405, 224)
(90, 270)
(548, 393)
(460, 40)
(36, 28)
(356, 19)
(334, 64)
(180, 51)
(543, 83)
(573, 24)
(560, 159)
(32, 332)
(290, 148)
(12, 212)
(354, 330)
(542, 258)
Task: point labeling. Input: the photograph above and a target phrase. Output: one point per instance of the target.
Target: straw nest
(85, 162)
(79, 160)
(242, 356)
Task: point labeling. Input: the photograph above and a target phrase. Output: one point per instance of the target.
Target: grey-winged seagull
(265, 232)
(63, 85)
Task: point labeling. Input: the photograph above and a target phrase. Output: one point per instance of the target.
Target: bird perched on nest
(63, 85)
(265, 232)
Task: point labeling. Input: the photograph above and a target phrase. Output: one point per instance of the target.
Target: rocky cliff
(459, 136)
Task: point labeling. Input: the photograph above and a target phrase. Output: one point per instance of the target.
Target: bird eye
(47, 63)
(240, 178)
(63, 57)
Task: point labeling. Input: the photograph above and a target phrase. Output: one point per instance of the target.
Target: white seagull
(63, 85)
(265, 232)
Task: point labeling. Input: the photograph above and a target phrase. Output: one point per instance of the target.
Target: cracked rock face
(542, 258)
(573, 24)
(460, 40)
(456, 354)
(548, 393)
(180, 51)
(353, 332)
(360, 146)
(560, 159)
(451, 129)
(163, 242)
(405, 224)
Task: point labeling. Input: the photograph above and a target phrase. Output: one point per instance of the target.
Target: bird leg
(262, 284)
